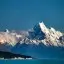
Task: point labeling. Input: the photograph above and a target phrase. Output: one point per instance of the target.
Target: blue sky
(24, 14)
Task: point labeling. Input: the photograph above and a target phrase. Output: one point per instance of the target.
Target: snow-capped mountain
(33, 42)
(46, 36)
(39, 34)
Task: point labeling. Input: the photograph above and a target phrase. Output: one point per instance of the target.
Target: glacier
(35, 42)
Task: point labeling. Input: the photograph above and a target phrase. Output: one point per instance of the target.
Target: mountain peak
(43, 27)
(39, 34)
(17, 42)
(45, 35)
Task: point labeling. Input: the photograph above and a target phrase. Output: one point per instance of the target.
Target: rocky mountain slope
(24, 42)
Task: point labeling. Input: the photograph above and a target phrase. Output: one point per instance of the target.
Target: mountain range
(38, 42)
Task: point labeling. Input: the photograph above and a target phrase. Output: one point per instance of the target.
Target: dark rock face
(37, 33)
(61, 38)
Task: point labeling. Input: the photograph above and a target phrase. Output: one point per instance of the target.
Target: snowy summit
(39, 34)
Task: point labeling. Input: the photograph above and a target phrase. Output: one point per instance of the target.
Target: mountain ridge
(39, 34)
(39, 42)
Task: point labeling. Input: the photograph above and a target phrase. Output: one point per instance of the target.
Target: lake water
(43, 61)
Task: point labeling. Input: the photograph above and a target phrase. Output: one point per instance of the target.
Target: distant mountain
(33, 42)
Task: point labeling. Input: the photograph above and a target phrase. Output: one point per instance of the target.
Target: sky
(24, 14)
